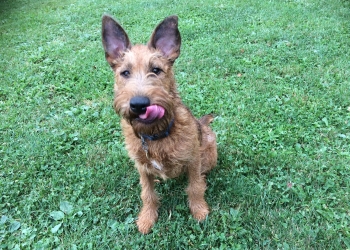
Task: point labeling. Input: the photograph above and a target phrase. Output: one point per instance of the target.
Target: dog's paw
(144, 225)
(200, 213)
(146, 220)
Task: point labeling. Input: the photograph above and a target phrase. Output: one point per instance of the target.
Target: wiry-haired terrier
(161, 134)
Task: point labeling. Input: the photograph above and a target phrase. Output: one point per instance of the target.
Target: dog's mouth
(153, 112)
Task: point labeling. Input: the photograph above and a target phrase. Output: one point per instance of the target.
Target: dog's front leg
(195, 190)
(149, 213)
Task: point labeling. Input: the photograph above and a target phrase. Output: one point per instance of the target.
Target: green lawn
(276, 74)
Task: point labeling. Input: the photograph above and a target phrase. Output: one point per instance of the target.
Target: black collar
(155, 137)
(158, 136)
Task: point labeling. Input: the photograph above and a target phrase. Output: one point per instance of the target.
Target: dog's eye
(125, 73)
(156, 70)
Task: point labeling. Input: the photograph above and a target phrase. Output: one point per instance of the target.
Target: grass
(276, 74)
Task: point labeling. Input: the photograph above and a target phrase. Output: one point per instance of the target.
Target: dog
(162, 136)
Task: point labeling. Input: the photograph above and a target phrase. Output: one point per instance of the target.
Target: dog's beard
(142, 126)
(157, 126)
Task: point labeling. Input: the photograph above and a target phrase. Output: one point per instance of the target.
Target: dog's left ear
(166, 38)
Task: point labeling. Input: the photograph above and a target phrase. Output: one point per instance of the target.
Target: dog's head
(145, 88)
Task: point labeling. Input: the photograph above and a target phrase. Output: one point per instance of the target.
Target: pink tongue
(153, 112)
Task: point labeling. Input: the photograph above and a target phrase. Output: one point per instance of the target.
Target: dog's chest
(157, 165)
(164, 169)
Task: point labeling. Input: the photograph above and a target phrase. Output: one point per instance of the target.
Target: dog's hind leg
(195, 190)
(209, 153)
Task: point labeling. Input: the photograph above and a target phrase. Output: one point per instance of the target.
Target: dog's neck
(158, 136)
(155, 137)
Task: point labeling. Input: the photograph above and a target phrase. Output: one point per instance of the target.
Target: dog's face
(144, 82)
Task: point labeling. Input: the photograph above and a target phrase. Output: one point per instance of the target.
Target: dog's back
(206, 119)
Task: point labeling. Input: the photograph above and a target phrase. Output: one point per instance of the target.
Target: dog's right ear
(114, 39)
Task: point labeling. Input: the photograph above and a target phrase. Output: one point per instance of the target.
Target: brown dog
(161, 134)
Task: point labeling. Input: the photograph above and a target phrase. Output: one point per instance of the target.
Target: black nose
(139, 104)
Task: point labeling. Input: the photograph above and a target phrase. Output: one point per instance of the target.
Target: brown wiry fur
(191, 145)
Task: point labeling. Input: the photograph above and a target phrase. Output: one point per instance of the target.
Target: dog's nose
(139, 104)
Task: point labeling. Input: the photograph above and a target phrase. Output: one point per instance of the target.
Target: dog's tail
(205, 120)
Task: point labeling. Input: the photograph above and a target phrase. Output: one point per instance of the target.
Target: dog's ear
(114, 39)
(166, 38)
